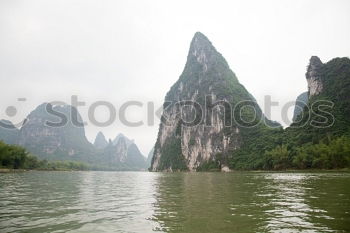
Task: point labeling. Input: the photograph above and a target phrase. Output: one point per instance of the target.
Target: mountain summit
(66, 141)
(313, 76)
(100, 141)
(203, 51)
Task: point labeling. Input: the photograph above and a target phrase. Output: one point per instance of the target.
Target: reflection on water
(174, 202)
(288, 199)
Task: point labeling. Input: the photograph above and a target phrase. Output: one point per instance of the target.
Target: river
(39, 201)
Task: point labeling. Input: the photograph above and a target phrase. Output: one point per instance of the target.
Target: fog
(120, 51)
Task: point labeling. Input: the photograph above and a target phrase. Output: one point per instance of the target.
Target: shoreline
(11, 170)
(343, 170)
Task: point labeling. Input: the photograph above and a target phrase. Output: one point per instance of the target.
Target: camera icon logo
(11, 111)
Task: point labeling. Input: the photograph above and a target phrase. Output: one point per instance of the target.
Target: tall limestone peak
(313, 76)
(206, 75)
(100, 141)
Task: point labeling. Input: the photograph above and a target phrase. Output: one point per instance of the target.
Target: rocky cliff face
(44, 140)
(206, 76)
(100, 141)
(313, 76)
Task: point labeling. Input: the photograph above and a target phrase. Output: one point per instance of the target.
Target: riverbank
(7, 170)
(345, 170)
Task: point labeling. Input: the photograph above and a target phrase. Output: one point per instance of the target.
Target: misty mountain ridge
(68, 141)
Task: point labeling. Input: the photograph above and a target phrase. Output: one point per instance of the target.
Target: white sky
(135, 50)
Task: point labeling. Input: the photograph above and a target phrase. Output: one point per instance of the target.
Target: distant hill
(123, 152)
(100, 141)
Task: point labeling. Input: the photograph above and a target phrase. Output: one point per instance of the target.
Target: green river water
(174, 202)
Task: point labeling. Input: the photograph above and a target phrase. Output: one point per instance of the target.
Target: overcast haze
(135, 50)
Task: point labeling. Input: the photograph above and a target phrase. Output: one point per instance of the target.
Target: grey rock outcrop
(313, 76)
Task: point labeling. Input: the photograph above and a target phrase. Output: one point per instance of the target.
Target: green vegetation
(172, 157)
(257, 140)
(324, 155)
(16, 157)
(311, 142)
(12, 156)
(327, 154)
(333, 154)
(211, 165)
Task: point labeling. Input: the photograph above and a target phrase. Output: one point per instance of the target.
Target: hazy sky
(135, 50)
